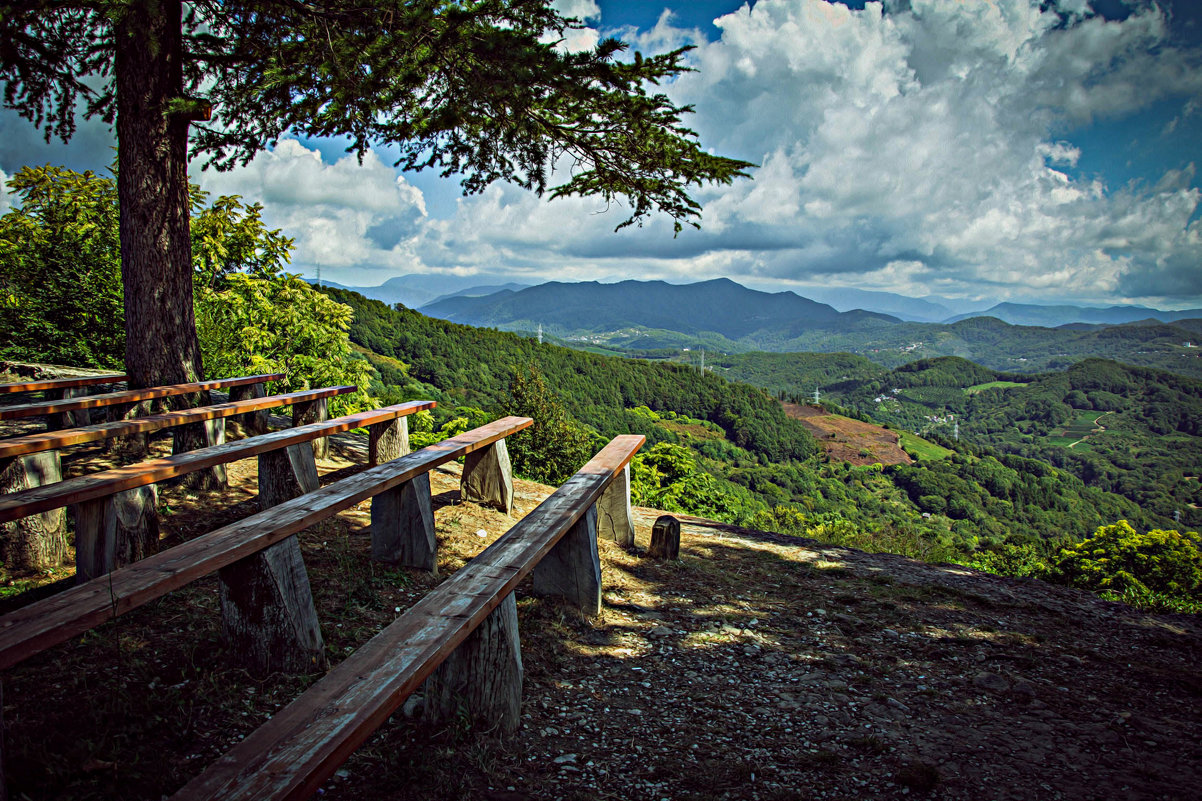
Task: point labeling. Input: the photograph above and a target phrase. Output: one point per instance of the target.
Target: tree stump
(387, 441)
(614, 520)
(402, 526)
(483, 676)
(115, 531)
(313, 412)
(38, 541)
(572, 568)
(665, 538)
(488, 477)
(250, 423)
(267, 611)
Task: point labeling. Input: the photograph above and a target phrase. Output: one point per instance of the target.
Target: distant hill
(419, 289)
(719, 306)
(1055, 316)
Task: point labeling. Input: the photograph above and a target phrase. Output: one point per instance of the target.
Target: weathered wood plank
(40, 625)
(127, 396)
(62, 383)
(53, 440)
(291, 755)
(152, 471)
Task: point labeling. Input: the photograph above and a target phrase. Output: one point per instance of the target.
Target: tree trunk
(161, 346)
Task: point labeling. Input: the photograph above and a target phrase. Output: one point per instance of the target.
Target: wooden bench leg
(572, 569)
(194, 436)
(267, 613)
(614, 520)
(402, 526)
(38, 541)
(268, 617)
(3, 741)
(286, 474)
(251, 423)
(313, 412)
(387, 441)
(80, 417)
(483, 676)
(488, 477)
(114, 531)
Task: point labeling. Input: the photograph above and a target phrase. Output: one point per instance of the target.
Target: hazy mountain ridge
(1055, 316)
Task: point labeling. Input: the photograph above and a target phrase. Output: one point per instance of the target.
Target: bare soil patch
(757, 666)
(848, 440)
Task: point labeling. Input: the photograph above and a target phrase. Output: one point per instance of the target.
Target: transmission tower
(816, 395)
(540, 333)
(956, 430)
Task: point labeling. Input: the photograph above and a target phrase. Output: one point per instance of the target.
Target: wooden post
(114, 531)
(614, 520)
(251, 423)
(285, 474)
(665, 538)
(483, 676)
(387, 441)
(194, 436)
(402, 526)
(488, 477)
(572, 568)
(316, 411)
(267, 611)
(37, 541)
(75, 419)
(3, 739)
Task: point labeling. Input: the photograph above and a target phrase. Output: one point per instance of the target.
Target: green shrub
(1119, 559)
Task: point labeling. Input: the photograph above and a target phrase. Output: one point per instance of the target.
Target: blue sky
(1020, 150)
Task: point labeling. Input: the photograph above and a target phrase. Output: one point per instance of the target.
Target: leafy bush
(1119, 559)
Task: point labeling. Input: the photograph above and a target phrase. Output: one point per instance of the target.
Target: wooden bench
(43, 624)
(30, 462)
(109, 508)
(129, 396)
(56, 384)
(462, 637)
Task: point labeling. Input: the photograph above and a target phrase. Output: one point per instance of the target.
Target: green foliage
(555, 446)
(278, 323)
(1020, 559)
(60, 274)
(1119, 559)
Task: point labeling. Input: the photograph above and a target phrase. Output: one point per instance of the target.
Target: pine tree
(477, 88)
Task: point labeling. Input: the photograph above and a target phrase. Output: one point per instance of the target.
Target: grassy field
(920, 449)
(992, 385)
(1080, 427)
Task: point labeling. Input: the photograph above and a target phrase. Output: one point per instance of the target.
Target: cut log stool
(665, 538)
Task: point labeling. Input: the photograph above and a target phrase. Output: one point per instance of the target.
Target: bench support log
(251, 423)
(488, 478)
(313, 412)
(38, 541)
(614, 520)
(572, 568)
(195, 436)
(3, 739)
(115, 531)
(402, 526)
(75, 419)
(267, 611)
(483, 675)
(387, 441)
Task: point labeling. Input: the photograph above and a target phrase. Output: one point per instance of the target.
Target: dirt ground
(847, 440)
(757, 666)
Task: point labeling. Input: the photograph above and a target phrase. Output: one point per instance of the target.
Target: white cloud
(5, 196)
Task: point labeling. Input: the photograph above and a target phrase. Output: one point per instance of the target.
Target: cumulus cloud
(915, 146)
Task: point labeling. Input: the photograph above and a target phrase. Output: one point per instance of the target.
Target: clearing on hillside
(850, 440)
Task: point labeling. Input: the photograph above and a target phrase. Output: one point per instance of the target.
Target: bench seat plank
(291, 755)
(40, 625)
(53, 440)
(127, 396)
(62, 383)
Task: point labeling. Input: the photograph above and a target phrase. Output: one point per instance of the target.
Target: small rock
(481, 532)
(991, 682)
(413, 706)
(565, 759)
(660, 631)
